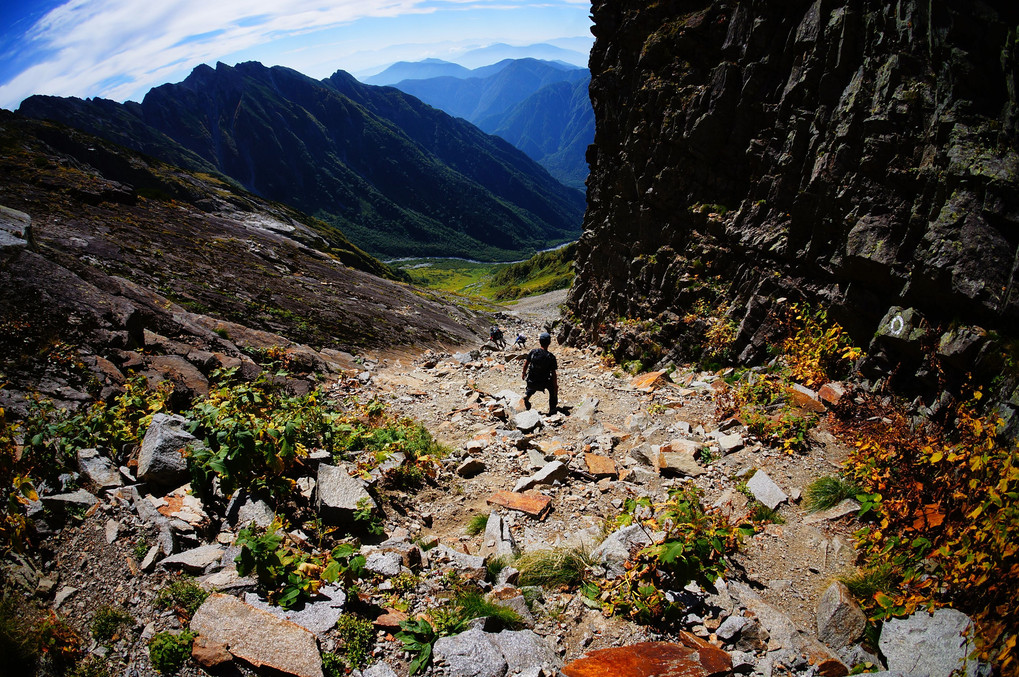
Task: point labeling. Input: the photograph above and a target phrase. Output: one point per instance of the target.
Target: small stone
(386, 564)
(805, 399)
(196, 559)
(831, 393)
(765, 490)
(728, 444)
(600, 466)
(149, 561)
(62, 595)
(527, 421)
(112, 530)
(470, 467)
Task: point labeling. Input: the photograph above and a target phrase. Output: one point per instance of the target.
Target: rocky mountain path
(609, 429)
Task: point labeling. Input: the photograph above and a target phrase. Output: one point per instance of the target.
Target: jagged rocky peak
(861, 155)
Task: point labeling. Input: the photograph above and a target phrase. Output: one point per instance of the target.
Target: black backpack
(541, 364)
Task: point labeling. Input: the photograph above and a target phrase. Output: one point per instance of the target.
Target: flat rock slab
(600, 466)
(925, 644)
(653, 659)
(257, 636)
(470, 654)
(845, 507)
(195, 560)
(530, 503)
(765, 490)
(318, 616)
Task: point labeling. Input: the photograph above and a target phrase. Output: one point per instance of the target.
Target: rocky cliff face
(861, 155)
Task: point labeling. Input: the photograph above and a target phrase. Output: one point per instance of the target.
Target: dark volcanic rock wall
(860, 154)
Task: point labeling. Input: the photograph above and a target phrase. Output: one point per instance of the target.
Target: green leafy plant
(107, 622)
(333, 665)
(691, 547)
(358, 637)
(183, 595)
(418, 638)
(827, 492)
(368, 517)
(168, 651)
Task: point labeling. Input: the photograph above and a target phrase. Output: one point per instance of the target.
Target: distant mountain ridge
(541, 107)
(398, 177)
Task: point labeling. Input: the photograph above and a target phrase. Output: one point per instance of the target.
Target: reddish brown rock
(600, 466)
(531, 502)
(805, 399)
(692, 658)
(831, 393)
(651, 380)
(390, 620)
(209, 654)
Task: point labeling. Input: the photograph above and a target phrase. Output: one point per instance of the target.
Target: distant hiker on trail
(540, 373)
(521, 341)
(495, 336)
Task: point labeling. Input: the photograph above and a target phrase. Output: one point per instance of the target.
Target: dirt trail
(455, 396)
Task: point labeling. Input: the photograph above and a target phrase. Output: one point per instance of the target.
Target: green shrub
(107, 621)
(358, 636)
(168, 652)
(183, 595)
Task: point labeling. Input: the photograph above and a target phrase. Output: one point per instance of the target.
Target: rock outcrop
(861, 156)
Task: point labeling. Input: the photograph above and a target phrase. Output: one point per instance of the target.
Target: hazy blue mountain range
(541, 107)
(397, 176)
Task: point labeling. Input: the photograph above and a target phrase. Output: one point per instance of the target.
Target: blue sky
(119, 49)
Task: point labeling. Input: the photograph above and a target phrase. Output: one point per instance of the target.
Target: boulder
(728, 444)
(470, 654)
(525, 650)
(98, 469)
(385, 564)
(161, 460)
(527, 421)
(765, 490)
(840, 620)
(680, 456)
(470, 467)
(556, 471)
(617, 548)
(257, 636)
(499, 541)
(339, 494)
(935, 644)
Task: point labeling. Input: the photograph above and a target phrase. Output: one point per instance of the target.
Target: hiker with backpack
(496, 336)
(521, 341)
(540, 373)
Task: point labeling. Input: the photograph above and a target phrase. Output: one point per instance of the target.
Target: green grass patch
(827, 492)
(552, 568)
(476, 524)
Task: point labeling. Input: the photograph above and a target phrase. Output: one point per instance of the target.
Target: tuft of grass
(827, 492)
(863, 584)
(471, 604)
(555, 567)
(107, 622)
(494, 567)
(762, 513)
(183, 595)
(477, 524)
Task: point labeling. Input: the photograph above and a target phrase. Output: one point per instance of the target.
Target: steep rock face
(863, 155)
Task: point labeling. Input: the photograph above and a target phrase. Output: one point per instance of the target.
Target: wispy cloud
(117, 48)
